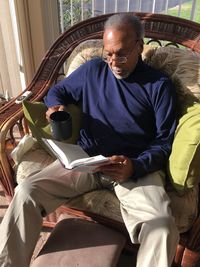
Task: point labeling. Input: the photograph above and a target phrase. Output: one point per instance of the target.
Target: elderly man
(128, 116)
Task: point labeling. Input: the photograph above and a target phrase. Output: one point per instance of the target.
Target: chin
(119, 77)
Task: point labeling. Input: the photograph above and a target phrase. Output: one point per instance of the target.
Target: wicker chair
(157, 27)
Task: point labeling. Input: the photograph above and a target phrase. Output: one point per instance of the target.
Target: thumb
(61, 108)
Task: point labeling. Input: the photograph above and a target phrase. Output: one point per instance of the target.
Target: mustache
(116, 69)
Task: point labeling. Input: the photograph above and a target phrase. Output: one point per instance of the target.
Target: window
(27, 30)
(73, 11)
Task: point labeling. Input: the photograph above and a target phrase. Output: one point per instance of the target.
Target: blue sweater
(134, 116)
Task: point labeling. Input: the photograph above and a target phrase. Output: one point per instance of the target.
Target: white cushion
(104, 202)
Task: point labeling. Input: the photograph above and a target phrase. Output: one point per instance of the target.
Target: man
(128, 115)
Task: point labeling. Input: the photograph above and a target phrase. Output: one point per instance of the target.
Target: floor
(126, 259)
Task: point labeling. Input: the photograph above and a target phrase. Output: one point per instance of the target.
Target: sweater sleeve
(68, 90)
(156, 155)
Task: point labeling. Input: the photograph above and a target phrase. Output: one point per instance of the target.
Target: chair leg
(190, 258)
(178, 256)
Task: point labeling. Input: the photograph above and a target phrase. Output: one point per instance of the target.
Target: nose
(113, 61)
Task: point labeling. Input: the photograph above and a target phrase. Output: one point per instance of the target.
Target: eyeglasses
(108, 58)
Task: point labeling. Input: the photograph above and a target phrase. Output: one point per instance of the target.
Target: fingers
(49, 111)
(111, 167)
(53, 109)
(118, 158)
(120, 170)
(61, 108)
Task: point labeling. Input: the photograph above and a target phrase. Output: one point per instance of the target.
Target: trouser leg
(146, 211)
(38, 195)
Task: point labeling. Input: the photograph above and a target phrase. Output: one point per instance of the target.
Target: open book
(73, 157)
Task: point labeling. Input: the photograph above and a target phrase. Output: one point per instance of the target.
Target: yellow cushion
(35, 114)
(184, 161)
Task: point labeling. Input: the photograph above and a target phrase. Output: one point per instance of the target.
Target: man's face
(122, 50)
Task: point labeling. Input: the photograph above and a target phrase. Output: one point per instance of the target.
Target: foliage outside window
(73, 11)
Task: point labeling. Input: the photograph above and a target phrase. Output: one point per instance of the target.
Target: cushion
(35, 114)
(183, 167)
(37, 122)
(90, 49)
(181, 65)
(77, 242)
(32, 162)
(24, 145)
(184, 207)
(104, 202)
(83, 52)
(183, 68)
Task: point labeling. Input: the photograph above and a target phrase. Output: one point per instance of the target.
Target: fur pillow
(183, 67)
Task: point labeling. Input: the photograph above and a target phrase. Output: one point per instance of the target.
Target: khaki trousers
(145, 209)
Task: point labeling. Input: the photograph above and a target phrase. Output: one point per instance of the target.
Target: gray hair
(118, 21)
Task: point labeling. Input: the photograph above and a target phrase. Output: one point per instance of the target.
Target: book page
(74, 157)
(91, 161)
(66, 153)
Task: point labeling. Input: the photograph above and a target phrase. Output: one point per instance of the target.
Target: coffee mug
(61, 125)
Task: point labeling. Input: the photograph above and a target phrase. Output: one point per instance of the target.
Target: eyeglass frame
(117, 59)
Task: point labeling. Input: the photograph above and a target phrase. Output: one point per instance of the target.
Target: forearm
(150, 160)
(56, 97)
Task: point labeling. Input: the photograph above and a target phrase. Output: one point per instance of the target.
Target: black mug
(61, 125)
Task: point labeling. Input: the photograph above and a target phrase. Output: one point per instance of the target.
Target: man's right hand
(53, 109)
(120, 169)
